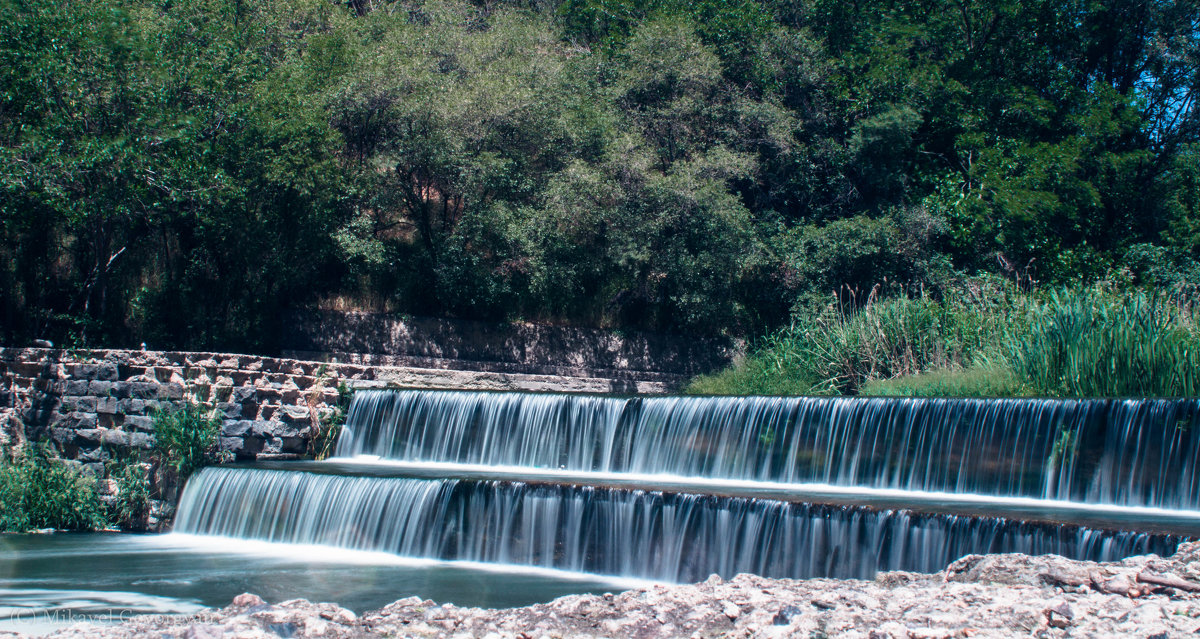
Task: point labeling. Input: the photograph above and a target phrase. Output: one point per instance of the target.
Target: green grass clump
(977, 381)
(39, 492)
(1097, 343)
(986, 340)
(186, 440)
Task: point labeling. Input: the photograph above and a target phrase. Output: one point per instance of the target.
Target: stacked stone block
(96, 404)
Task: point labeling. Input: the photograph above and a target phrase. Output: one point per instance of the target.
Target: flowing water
(1123, 452)
(50, 581)
(630, 533)
(510, 498)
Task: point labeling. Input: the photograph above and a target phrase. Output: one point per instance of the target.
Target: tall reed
(1098, 343)
(989, 338)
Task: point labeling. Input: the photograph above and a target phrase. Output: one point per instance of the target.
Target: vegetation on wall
(37, 491)
(179, 173)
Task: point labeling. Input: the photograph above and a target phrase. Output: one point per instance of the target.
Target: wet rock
(247, 600)
(785, 615)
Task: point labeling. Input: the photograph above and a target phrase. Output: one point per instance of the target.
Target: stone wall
(96, 404)
(514, 348)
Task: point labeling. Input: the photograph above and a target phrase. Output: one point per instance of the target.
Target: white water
(674, 489)
(628, 533)
(1122, 452)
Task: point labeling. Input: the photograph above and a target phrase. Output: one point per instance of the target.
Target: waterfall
(677, 488)
(628, 533)
(1123, 452)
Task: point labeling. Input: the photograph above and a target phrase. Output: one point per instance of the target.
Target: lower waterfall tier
(628, 533)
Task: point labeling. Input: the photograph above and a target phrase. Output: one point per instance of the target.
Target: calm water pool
(48, 581)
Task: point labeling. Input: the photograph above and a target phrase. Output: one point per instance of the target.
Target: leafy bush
(131, 507)
(39, 492)
(185, 440)
(852, 343)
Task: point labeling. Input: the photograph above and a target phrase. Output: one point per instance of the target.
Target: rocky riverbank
(976, 596)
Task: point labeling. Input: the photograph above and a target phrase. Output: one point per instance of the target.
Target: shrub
(185, 440)
(987, 339)
(131, 508)
(39, 492)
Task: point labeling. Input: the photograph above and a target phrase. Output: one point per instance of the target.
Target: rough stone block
(107, 406)
(103, 389)
(242, 394)
(245, 378)
(237, 427)
(108, 372)
(82, 404)
(230, 410)
(231, 444)
(144, 390)
(76, 387)
(139, 422)
(201, 391)
(251, 446)
(81, 420)
(143, 441)
(293, 445)
(170, 391)
(84, 436)
(272, 446)
(114, 438)
(132, 406)
(92, 455)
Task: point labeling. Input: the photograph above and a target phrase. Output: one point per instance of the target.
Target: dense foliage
(37, 491)
(991, 340)
(180, 172)
(185, 441)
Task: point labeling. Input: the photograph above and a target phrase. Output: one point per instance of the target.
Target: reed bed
(987, 339)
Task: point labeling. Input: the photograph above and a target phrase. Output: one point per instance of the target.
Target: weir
(674, 489)
(1124, 452)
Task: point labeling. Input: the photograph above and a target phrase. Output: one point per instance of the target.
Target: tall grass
(987, 339)
(39, 492)
(185, 440)
(1097, 343)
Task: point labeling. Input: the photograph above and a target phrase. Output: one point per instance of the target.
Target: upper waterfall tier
(628, 533)
(1134, 452)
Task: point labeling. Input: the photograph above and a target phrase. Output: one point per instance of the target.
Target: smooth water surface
(47, 581)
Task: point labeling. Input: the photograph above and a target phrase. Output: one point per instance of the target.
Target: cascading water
(627, 533)
(415, 496)
(1123, 452)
